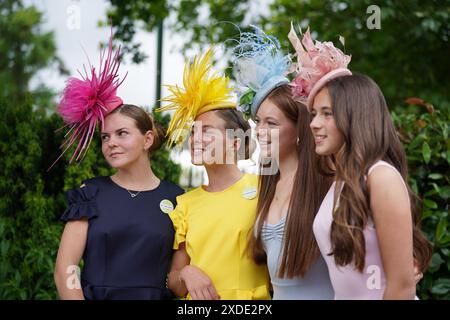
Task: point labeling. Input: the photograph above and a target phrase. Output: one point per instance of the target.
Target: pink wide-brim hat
(336, 73)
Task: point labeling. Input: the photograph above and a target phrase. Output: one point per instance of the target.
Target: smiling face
(209, 143)
(276, 134)
(327, 137)
(122, 142)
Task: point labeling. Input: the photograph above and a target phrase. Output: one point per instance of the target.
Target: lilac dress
(347, 281)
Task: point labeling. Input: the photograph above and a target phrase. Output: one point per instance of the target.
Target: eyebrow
(105, 132)
(203, 127)
(267, 118)
(322, 108)
(208, 127)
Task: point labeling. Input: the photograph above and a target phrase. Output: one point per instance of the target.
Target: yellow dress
(216, 227)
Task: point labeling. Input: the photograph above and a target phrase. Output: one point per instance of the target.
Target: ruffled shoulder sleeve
(180, 224)
(82, 203)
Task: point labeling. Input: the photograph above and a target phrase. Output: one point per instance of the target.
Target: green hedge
(425, 139)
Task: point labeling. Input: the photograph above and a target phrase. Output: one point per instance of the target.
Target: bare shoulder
(386, 178)
(388, 192)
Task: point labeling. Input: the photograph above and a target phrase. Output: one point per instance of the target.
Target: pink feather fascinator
(317, 63)
(88, 100)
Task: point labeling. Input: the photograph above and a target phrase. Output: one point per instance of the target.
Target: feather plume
(88, 100)
(259, 67)
(202, 91)
(314, 61)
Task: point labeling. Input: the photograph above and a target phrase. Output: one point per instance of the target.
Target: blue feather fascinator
(259, 66)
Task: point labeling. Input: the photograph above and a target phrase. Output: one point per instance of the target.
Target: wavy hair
(363, 118)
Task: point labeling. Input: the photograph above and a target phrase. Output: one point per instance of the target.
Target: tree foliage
(407, 56)
(24, 50)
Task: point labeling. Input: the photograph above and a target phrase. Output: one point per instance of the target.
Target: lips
(114, 154)
(197, 153)
(263, 142)
(318, 139)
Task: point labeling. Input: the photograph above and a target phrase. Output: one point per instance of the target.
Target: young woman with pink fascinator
(119, 224)
(367, 225)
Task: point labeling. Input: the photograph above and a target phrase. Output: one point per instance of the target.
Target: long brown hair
(144, 122)
(300, 248)
(363, 118)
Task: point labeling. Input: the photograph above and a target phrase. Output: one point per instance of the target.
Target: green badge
(166, 206)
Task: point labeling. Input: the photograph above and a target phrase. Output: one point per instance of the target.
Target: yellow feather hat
(202, 92)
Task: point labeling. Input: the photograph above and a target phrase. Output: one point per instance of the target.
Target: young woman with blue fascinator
(289, 190)
(367, 225)
(117, 225)
(212, 222)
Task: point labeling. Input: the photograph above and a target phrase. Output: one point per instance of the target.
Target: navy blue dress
(129, 241)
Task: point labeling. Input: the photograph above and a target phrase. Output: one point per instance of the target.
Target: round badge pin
(249, 193)
(166, 206)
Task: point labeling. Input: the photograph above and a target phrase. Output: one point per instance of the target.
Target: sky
(72, 35)
(75, 26)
